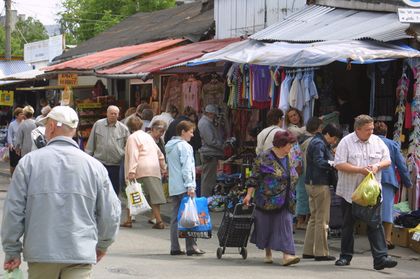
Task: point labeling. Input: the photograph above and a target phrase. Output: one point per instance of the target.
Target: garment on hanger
(173, 93)
(284, 92)
(190, 91)
(296, 98)
(261, 86)
(385, 85)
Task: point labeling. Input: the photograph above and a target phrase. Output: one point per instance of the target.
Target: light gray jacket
(212, 141)
(62, 201)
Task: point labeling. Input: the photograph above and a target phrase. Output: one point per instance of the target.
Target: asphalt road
(143, 252)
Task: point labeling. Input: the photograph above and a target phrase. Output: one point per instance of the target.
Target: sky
(43, 10)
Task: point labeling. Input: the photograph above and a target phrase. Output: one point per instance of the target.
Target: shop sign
(6, 98)
(67, 79)
(409, 15)
(412, 3)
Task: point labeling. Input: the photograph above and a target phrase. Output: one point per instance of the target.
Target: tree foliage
(26, 31)
(83, 19)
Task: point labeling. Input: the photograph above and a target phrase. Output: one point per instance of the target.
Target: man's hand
(131, 176)
(364, 170)
(374, 168)
(11, 264)
(99, 255)
(191, 193)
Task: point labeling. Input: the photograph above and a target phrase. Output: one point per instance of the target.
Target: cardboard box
(360, 228)
(400, 236)
(414, 244)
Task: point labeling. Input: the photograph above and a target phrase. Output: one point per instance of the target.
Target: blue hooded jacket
(181, 166)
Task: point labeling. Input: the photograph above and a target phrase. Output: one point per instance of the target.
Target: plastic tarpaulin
(305, 55)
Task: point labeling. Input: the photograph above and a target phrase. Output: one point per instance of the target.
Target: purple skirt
(274, 231)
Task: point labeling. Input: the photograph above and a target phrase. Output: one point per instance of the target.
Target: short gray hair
(362, 120)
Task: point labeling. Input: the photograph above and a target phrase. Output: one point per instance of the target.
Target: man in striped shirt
(358, 154)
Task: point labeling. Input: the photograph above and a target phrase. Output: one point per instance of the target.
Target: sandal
(159, 226)
(126, 224)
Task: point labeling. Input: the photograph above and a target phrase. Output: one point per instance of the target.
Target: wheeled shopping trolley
(235, 229)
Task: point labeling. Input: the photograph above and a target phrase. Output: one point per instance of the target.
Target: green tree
(83, 19)
(26, 31)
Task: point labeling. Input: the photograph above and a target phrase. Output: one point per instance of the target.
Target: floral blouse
(274, 180)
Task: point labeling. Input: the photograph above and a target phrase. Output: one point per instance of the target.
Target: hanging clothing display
(190, 91)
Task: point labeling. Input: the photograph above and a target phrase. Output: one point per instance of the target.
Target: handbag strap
(265, 139)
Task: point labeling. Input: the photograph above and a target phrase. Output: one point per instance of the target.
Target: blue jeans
(375, 235)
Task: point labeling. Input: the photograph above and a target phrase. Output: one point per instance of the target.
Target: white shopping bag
(136, 201)
(189, 218)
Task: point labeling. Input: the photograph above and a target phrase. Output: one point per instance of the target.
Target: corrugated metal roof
(13, 66)
(110, 57)
(321, 23)
(192, 21)
(156, 62)
(26, 75)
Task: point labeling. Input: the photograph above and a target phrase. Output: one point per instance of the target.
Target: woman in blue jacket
(389, 180)
(181, 167)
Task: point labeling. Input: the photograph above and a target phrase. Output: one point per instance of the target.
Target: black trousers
(114, 176)
(375, 235)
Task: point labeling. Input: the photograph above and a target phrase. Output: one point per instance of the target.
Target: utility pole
(8, 29)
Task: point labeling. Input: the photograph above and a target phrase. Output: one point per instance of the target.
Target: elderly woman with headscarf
(273, 180)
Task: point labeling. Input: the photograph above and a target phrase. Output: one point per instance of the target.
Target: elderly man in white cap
(211, 150)
(61, 200)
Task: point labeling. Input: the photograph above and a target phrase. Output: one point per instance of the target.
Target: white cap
(63, 115)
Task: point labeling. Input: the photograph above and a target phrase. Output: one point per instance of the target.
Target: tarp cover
(305, 55)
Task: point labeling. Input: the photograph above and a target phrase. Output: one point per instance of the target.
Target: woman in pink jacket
(145, 163)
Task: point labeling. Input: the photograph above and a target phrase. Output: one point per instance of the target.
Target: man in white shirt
(358, 154)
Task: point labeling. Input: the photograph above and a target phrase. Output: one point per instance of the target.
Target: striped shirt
(361, 154)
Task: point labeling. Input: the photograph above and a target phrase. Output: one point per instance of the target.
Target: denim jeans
(375, 235)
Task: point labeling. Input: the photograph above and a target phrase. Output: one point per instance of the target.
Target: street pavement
(143, 252)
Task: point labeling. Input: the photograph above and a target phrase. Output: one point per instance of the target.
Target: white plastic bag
(189, 218)
(136, 201)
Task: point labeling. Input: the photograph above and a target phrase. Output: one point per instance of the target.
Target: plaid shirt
(361, 154)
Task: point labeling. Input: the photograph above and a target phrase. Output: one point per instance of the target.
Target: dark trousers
(114, 176)
(375, 235)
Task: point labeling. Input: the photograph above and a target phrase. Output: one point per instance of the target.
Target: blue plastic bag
(203, 230)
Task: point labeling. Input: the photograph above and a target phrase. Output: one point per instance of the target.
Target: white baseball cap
(63, 115)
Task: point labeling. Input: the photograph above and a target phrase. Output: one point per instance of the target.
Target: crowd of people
(318, 158)
(293, 172)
